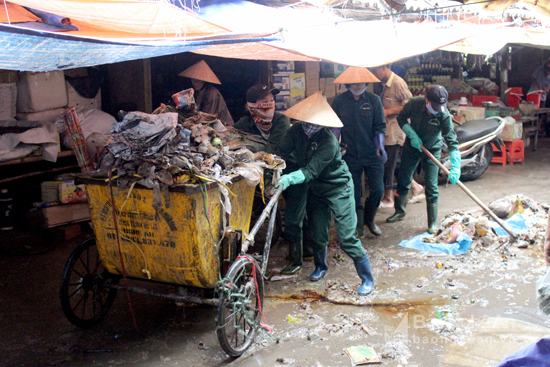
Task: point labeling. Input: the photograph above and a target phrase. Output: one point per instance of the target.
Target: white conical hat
(354, 74)
(201, 71)
(315, 110)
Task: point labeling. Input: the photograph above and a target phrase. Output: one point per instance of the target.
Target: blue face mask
(355, 93)
(310, 129)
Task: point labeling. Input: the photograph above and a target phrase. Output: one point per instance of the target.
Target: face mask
(429, 107)
(262, 114)
(311, 129)
(355, 93)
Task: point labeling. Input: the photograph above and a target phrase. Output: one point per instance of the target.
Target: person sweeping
(430, 123)
(330, 193)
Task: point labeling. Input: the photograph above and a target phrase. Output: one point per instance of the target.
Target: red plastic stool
(515, 151)
(499, 156)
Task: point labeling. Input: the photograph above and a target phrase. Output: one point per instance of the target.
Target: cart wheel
(84, 299)
(239, 307)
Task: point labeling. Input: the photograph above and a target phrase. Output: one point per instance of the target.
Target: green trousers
(409, 161)
(341, 205)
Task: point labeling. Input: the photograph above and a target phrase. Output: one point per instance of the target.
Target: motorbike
(474, 143)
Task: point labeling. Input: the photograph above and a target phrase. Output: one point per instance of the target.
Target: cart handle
(271, 207)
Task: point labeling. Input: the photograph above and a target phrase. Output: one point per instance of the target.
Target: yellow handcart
(181, 237)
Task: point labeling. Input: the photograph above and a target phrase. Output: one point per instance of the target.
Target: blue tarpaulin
(462, 244)
(516, 223)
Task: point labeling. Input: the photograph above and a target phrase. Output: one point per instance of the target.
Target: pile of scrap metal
(179, 146)
(476, 224)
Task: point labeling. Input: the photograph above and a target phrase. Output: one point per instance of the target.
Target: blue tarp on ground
(516, 223)
(457, 248)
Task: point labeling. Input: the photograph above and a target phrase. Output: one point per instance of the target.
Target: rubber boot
(432, 218)
(307, 254)
(295, 254)
(359, 230)
(321, 267)
(365, 273)
(400, 205)
(370, 214)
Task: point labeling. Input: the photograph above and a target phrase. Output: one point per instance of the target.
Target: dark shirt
(363, 120)
(212, 102)
(281, 124)
(319, 159)
(429, 128)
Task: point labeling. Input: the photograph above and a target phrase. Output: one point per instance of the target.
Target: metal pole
(471, 195)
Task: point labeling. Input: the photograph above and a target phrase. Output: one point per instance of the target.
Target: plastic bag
(543, 293)
(461, 246)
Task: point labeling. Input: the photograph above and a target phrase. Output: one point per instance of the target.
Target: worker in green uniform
(330, 185)
(429, 123)
(362, 114)
(262, 119)
(271, 126)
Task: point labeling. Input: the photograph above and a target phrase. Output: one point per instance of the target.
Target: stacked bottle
(427, 73)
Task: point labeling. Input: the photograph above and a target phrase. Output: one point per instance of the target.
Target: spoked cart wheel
(239, 308)
(84, 298)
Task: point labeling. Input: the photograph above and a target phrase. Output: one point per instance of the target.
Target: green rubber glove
(293, 178)
(454, 173)
(416, 142)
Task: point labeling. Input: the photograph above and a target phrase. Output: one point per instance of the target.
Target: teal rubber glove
(454, 173)
(293, 178)
(416, 142)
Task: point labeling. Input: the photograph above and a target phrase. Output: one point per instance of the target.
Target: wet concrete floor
(489, 298)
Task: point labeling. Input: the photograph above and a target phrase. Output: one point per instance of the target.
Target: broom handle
(471, 195)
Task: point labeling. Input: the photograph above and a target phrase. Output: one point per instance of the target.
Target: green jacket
(319, 159)
(281, 124)
(430, 128)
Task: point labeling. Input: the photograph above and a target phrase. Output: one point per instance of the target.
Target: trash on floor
(361, 355)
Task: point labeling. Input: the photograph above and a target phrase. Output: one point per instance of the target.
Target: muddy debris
(395, 349)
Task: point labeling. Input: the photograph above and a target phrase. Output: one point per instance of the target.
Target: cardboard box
(281, 82)
(285, 65)
(50, 191)
(512, 131)
(76, 100)
(313, 67)
(470, 113)
(45, 116)
(54, 216)
(9, 76)
(298, 83)
(71, 193)
(330, 70)
(295, 98)
(282, 101)
(8, 100)
(328, 87)
(41, 91)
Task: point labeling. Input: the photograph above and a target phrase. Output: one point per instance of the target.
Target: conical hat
(315, 110)
(201, 71)
(354, 74)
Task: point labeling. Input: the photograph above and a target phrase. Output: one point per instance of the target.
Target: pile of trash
(522, 214)
(179, 146)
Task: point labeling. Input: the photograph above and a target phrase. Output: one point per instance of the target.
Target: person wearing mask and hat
(262, 119)
(272, 126)
(362, 114)
(207, 97)
(330, 193)
(395, 93)
(425, 121)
